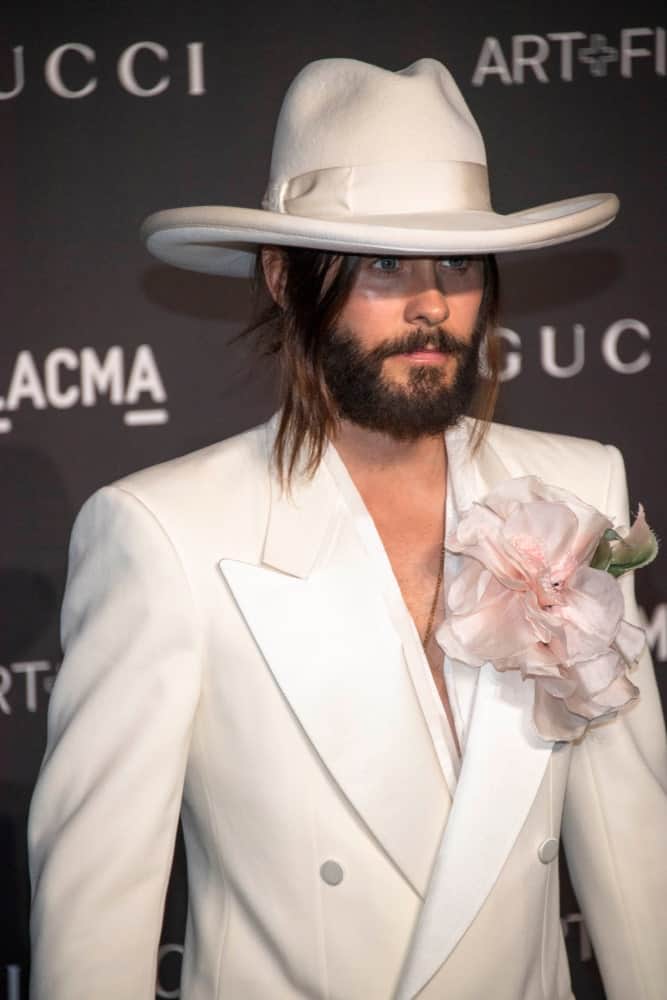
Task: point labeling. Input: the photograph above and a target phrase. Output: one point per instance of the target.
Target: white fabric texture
(460, 680)
(366, 159)
(227, 656)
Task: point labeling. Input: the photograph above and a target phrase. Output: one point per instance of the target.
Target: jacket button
(547, 850)
(331, 872)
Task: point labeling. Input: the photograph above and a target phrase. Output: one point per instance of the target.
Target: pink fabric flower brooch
(538, 592)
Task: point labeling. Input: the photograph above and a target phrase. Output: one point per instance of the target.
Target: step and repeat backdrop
(110, 361)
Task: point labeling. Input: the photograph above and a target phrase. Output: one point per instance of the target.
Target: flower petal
(630, 641)
(541, 535)
(528, 599)
(471, 588)
(497, 631)
(636, 548)
(595, 675)
(478, 536)
(553, 720)
(594, 605)
(526, 489)
(621, 692)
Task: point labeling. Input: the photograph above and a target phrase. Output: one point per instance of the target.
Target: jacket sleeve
(615, 821)
(105, 808)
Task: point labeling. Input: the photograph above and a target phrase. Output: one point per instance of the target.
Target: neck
(376, 461)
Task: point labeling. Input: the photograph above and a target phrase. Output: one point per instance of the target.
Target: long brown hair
(316, 286)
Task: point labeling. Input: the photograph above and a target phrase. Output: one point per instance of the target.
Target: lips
(433, 357)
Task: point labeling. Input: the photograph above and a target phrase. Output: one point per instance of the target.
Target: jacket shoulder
(582, 465)
(206, 473)
(506, 437)
(212, 500)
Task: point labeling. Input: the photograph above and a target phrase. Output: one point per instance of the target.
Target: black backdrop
(110, 361)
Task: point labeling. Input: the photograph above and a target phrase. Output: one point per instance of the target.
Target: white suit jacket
(228, 655)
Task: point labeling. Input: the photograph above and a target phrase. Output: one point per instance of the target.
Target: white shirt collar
(460, 680)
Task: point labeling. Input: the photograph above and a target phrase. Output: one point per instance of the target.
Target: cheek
(463, 311)
(371, 317)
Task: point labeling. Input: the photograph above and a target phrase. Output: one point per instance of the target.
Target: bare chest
(416, 566)
(416, 558)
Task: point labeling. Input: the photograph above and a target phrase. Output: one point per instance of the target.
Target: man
(251, 630)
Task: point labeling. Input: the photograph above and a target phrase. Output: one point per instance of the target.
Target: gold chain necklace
(429, 626)
(441, 569)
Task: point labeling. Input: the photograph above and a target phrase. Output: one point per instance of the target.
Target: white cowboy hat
(367, 160)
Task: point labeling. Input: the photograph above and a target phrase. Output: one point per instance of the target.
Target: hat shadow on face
(531, 284)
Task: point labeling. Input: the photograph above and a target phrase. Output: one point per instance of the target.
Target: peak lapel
(316, 613)
(503, 765)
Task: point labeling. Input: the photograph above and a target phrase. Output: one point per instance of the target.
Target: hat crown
(368, 160)
(345, 113)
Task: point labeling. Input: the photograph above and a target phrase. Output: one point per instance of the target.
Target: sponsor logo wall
(110, 361)
(56, 75)
(67, 378)
(560, 55)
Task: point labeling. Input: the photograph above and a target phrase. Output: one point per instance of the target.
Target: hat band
(382, 189)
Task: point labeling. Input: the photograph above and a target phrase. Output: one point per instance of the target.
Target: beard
(426, 405)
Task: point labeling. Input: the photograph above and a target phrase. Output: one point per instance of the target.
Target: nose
(427, 303)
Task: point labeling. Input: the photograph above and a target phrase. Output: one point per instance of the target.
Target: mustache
(421, 340)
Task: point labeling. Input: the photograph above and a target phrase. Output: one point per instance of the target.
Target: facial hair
(427, 405)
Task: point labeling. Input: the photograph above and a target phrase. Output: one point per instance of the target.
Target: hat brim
(218, 239)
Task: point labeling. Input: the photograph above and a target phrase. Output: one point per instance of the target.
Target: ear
(274, 264)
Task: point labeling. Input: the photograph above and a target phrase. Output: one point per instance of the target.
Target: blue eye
(386, 264)
(455, 263)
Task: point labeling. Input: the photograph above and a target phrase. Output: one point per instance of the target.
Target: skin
(393, 295)
(403, 483)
